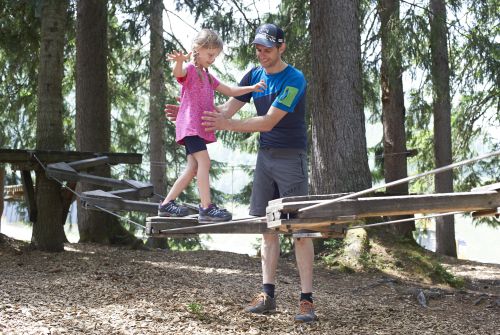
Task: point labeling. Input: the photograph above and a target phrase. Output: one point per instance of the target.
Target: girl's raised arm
(179, 69)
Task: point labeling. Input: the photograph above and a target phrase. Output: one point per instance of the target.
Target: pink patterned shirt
(197, 96)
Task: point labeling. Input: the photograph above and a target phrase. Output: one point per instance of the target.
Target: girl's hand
(260, 86)
(177, 56)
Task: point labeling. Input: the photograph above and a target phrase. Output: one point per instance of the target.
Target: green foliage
(196, 309)
(474, 61)
(286, 245)
(332, 249)
(19, 44)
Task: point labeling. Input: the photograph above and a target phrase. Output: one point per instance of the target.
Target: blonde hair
(208, 39)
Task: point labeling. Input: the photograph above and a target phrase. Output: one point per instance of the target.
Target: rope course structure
(323, 216)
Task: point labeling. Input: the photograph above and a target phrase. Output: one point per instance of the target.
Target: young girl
(197, 96)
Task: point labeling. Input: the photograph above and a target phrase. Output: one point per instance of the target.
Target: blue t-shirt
(285, 90)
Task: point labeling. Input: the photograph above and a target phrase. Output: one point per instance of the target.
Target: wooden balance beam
(332, 220)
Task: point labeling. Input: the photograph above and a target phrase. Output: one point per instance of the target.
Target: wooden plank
(24, 159)
(490, 187)
(313, 222)
(83, 177)
(487, 212)
(114, 203)
(312, 198)
(62, 171)
(238, 227)
(133, 193)
(293, 225)
(317, 234)
(153, 227)
(89, 163)
(144, 190)
(184, 220)
(66, 172)
(398, 205)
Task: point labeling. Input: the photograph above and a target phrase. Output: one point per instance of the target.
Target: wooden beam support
(354, 209)
(66, 172)
(487, 212)
(400, 205)
(114, 203)
(156, 224)
(312, 198)
(173, 226)
(24, 159)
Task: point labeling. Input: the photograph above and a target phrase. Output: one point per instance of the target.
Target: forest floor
(93, 289)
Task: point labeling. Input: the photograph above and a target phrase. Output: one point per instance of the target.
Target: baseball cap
(269, 35)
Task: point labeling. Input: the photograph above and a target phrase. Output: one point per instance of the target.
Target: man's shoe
(213, 214)
(306, 312)
(172, 209)
(261, 304)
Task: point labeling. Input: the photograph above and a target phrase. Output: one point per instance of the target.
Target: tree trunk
(156, 103)
(440, 71)
(339, 156)
(393, 109)
(48, 232)
(2, 184)
(93, 117)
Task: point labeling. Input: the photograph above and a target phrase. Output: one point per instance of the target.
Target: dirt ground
(91, 289)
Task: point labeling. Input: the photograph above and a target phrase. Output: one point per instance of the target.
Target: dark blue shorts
(194, 144)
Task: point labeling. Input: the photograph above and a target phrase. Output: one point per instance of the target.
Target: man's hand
(214, 120)
(171, 111)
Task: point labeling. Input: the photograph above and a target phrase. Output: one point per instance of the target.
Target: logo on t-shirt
(286, 98)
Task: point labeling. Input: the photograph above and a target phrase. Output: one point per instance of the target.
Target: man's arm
(230, 107)
(218, 121)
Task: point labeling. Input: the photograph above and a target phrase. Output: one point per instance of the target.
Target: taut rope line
(401, 181)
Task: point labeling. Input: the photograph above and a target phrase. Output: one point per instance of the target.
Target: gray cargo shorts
(278, 173)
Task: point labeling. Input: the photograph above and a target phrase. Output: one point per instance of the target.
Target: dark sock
(268, 289)
(306, 296)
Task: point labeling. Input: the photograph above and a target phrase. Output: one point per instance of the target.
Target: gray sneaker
(261, 304)
(213, 214)
(172, 209)
(306, 312)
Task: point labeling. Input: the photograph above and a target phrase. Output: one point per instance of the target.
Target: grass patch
(196, 309)
(332, 249)
(412, 258)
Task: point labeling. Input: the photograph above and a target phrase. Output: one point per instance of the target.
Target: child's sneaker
(171, 208)
(213, 214)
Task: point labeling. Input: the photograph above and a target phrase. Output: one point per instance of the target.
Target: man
(281, 168)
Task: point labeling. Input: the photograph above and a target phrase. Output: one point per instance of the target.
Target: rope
(402, 220)
(400, 181)
(79, 197)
